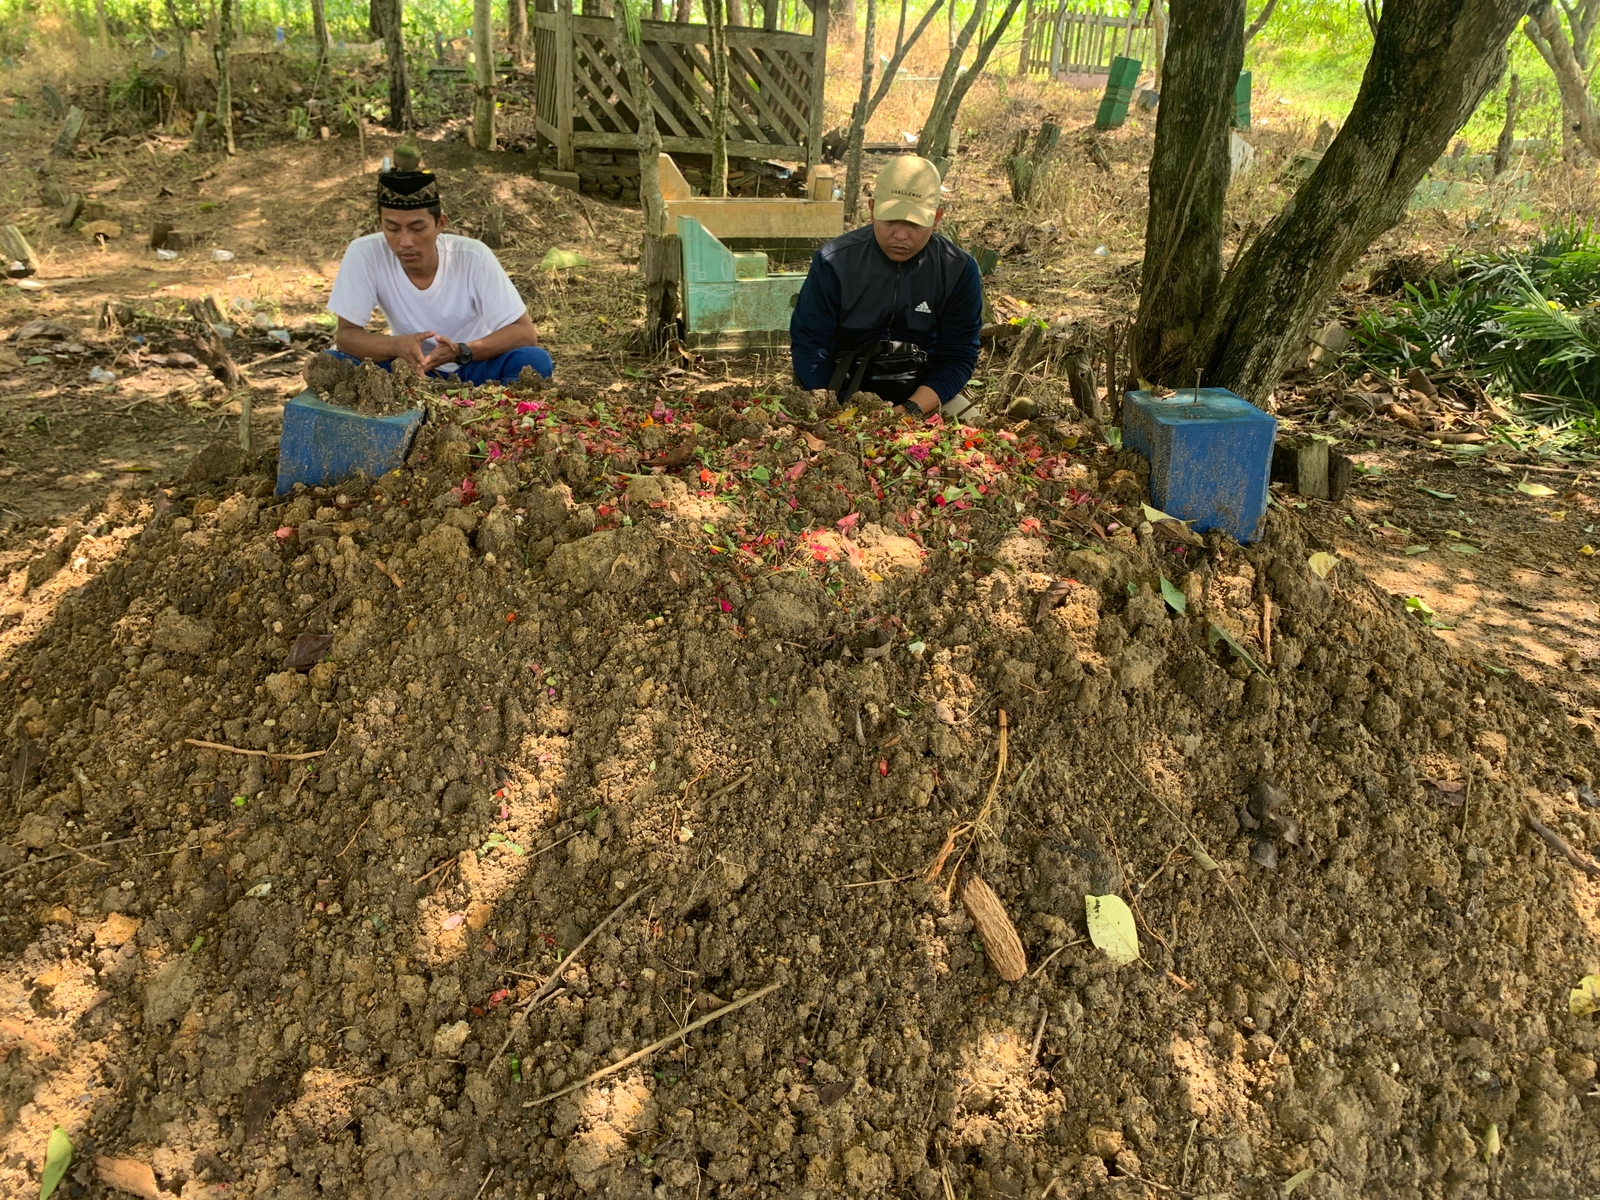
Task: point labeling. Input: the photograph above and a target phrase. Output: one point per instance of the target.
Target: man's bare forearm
(359, 343)
(510, 337)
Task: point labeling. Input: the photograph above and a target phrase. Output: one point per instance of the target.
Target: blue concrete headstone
(323, 444)
(1210, 456)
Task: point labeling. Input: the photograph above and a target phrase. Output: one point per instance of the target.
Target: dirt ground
(667, 688)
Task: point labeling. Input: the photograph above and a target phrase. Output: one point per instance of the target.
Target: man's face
(411, 234)
(901, 240)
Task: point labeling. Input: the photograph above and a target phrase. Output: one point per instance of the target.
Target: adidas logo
(923, 307)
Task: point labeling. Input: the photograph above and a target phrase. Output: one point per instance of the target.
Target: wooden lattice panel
(585, 99)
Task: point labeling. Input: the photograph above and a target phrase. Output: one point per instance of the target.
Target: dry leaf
(1322, 563)
(1052, 597)
(1535, 489)
(128, 1175)
(1585, 998)
(1111, 927)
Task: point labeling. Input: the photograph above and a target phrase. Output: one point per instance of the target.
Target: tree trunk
(735, 12)
(769, 14)
(375, 18)
(858, 117)
(685, 12)
(1260, 22)
(1580, 122)
(1502, 148)
(483, 54)
(517, 29)
(100, 24)
(937, 134)
(182, 36)
(319, 27)
(394, 48)
(1188, 181)
(1433, 60)
(847, 21)
(1158, 41)
(659, 260)
(221, 51)
(947, 77)
(717, 185)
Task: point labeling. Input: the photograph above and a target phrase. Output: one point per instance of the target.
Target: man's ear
(441, 221)
(869, 206)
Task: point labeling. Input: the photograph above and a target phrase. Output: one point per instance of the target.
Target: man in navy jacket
(893, 307)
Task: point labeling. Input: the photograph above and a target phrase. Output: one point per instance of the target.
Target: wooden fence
(1079, 38)
(585, 101)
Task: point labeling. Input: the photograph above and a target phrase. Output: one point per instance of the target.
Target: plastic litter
(166, 255)
(279, 335)
(101, 375)
(1101, 252)
(222, 256)
(222, 331)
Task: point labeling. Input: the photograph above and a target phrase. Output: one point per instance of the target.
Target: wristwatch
(463, 353)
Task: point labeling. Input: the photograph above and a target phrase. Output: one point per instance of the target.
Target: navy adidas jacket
(855, 293)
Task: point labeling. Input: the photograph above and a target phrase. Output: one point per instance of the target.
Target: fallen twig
(67, 853)
(1039, 970)
(383, 569)
(1184, 825)
(1559, 844)
(204, 745)
(973, 829)
(354, 836)
(550, 985)
(620, 1064)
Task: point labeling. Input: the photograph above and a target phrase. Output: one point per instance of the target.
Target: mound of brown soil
(267, 927)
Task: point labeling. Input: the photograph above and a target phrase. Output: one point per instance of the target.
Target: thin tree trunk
(182, 36)
(1580, 121)
(517, 29)
(483, 53)
(1188, 181)
(394, 48)
(685, 12)
(100, 24)
(862, 116)
(1432, 60)
(1159, 28)
(858, 117)
(1260, 22)
(947, 77)
(319, 27)
(375, 18)
(221, 52)
(735, 12)
(847, 22)
(659, 261)
(939, 142)
(718, 183)
(1502, 148)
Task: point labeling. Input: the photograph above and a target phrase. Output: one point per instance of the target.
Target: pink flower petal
(455, 920)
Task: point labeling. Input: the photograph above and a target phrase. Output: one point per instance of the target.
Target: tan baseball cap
(906, 190)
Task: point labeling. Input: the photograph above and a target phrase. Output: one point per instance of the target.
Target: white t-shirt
(469, 298)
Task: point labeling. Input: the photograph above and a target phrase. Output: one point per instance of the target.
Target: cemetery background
(759, 671)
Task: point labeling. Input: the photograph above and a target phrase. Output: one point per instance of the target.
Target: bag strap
(860, 358)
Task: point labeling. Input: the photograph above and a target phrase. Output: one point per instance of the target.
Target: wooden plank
(564, 97)
(673, 185)
(766, 95)
(667, 76)
(818, 65)
(777, 218)
(686, 145)
(595, 56)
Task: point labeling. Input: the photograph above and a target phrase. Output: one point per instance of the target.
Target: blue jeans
(505, 367)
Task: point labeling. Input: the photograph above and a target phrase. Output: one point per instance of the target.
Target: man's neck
(422, 273)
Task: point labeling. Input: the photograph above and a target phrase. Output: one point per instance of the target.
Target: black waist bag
(892, 370)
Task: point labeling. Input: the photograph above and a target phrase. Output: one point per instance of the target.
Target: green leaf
(558, 259)
(57, 1158)
(1417, 604)
(761, 474)
(1297, 1179)
(1491, 1141)
(1418, 549)
(1436, 495)
(1218, 633)
(1176, 600)
(1463, 548)
(1111, 927)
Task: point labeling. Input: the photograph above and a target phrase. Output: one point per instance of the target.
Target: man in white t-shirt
(452, 311)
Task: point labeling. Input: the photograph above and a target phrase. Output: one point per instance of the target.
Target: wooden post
(394, 49)
(564, 100)
(221, 53)
(100, 22)
(71, 131)
(18, 256)
(819, 71)
(769, 18)
(1056, 31)
(483, 52)
(247, 440)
